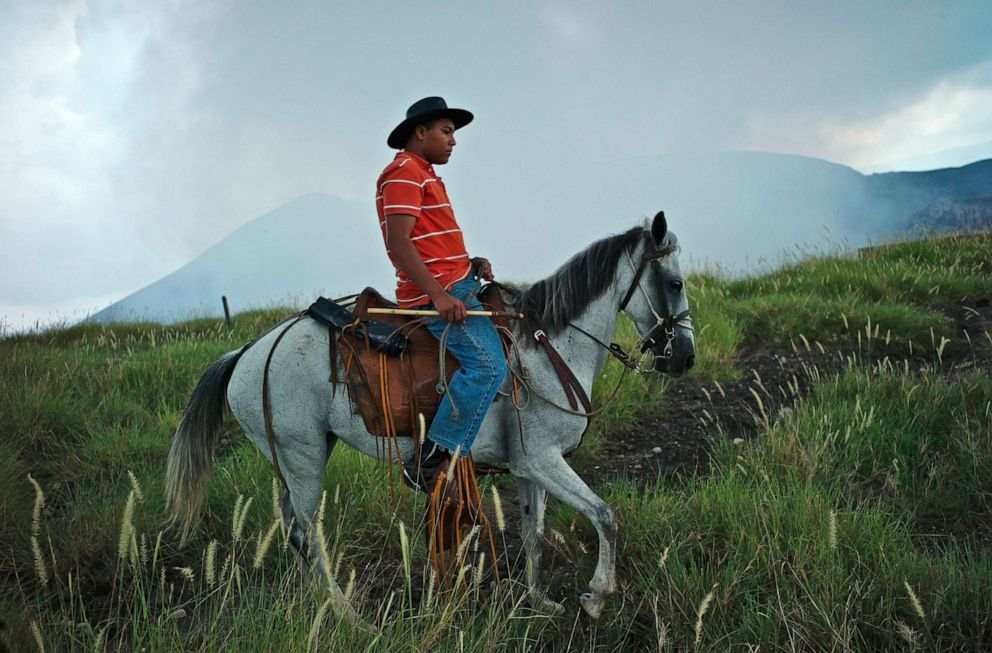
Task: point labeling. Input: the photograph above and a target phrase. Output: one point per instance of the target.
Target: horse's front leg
(553, 474)
(532, 503)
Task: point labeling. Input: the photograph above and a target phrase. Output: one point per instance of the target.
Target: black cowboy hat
(424, 111)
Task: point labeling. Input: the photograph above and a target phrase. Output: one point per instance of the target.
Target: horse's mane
(551, 303)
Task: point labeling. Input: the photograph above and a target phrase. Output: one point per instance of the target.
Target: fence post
(227, 311)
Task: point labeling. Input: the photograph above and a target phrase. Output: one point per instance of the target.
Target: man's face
(438, 140)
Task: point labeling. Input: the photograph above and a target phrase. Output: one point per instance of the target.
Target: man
(433, 270)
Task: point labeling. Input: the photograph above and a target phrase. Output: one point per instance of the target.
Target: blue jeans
(473, 386)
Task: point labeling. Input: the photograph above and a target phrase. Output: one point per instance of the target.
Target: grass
(856, 521)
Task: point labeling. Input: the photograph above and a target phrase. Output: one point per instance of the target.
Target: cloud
(566, 22)
(67, 132)
(950, 114)
(134, 135)
(38, 125)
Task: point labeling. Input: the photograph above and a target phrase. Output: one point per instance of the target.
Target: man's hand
(483, 268)
(451, 308)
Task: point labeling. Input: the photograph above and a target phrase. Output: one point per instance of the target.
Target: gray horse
(636, 272)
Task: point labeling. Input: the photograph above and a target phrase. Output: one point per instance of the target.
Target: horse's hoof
(592, 604)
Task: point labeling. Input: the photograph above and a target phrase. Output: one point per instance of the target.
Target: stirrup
(414, 475)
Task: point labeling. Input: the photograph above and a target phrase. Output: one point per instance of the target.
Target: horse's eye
(676, 284)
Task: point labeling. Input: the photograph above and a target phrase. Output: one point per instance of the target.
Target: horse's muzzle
(676, 365)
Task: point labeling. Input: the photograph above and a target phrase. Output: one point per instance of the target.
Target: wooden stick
(411, 311)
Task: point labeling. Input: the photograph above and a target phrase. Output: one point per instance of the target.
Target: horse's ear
(659, 228)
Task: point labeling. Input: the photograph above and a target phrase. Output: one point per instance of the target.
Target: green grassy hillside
(856, 519)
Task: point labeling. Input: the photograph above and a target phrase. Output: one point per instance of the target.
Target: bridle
(667, 324)
(650, 256)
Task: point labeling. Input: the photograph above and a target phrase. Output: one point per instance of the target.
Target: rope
(392, 439)
(446, 547)
(442, 380)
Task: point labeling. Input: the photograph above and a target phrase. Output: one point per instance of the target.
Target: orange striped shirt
(410, 186)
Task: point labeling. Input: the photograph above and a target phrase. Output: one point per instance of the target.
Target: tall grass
(857, 521)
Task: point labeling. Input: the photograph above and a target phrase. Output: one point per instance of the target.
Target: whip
(413, 311)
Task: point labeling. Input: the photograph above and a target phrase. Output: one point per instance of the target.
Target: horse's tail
(192, 452)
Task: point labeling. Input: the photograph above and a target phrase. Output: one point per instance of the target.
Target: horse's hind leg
(554, 475)
(295, 531)
(532, 501)
(303, 469)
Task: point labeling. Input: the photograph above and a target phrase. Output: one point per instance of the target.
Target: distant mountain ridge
(732, 209)
(286, 257)
(938, 200)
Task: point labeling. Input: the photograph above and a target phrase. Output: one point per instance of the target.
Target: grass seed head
(908, 635)
(664, 557)
(239, 520)
(460, 578)
(39, 504)
(210, 564)
(127, 526)
(498, 509)
(703, 609)
(349, 589)
(915, 601)
(144, 550)
(138, 495)
(40, 569)
(325, 556)
(276, 500)
(235, 515)
(133, 550)
(36, 633)
(467, 541)
(431, 583)
(264, 544)
(480, 568)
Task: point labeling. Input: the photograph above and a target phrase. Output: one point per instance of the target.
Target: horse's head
(656, 301)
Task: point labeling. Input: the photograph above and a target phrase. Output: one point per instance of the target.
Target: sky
(134, 135)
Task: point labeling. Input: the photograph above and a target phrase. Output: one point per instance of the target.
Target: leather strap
(646, 257)
(633, 283)
(573, 389)
(266, 409)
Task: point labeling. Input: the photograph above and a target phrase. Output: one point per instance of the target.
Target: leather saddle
(391, 389)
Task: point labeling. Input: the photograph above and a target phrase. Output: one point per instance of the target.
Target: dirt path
(695, 415)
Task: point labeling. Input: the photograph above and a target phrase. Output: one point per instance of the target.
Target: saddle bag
(380, 336)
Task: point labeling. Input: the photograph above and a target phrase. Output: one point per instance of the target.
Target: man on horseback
(434, 271)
